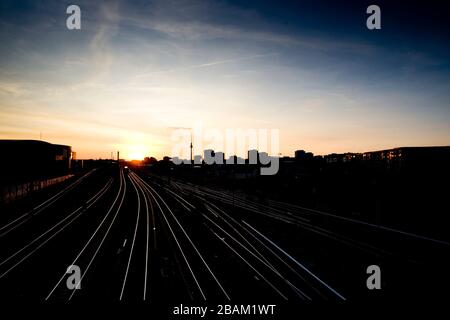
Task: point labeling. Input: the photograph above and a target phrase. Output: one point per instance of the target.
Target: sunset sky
(138, 69)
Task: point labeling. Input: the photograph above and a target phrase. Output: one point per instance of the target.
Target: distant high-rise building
(300, 154)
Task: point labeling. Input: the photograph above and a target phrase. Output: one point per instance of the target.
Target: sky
(138, 69)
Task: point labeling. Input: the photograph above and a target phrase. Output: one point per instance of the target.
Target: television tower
(191, 147)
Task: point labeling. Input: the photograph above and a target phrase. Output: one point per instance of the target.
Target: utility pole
(191, 148)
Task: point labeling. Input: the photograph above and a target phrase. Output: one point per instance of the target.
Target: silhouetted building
(343, 157)
(300, 154)
(24, 160)
(334, 158)
(303, 155)
(410, 156)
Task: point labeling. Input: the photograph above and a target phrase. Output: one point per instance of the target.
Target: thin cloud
(204, 65)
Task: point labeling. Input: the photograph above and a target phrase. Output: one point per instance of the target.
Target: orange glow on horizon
(136, 152)
(135, 156)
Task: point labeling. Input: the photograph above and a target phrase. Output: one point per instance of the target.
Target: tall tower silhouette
(191, 146)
